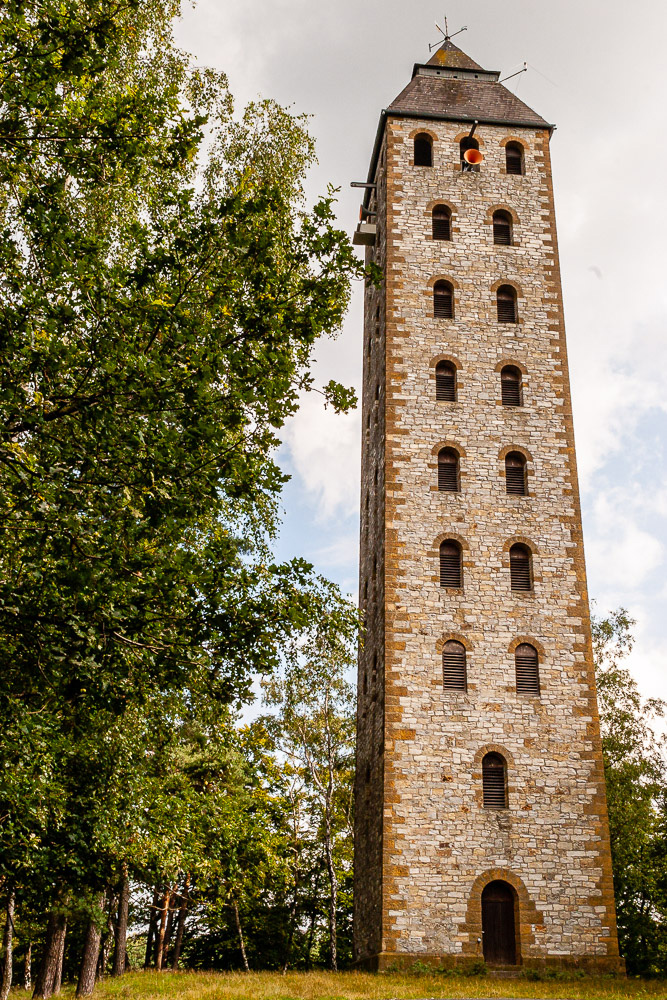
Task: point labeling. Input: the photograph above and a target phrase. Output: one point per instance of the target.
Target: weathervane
(445, 34)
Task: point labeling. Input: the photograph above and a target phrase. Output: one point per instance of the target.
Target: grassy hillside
(357, 986)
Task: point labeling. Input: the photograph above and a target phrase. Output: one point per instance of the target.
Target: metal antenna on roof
(518, 73)
(445, 34)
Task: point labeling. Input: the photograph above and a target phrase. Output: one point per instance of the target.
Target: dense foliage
(162, 287)
(635, 772)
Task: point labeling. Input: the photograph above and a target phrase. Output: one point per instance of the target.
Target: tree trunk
(120, 942)
(333, 884)
(107, 936)
(170, 925)
(163, 927)
(8, 946)
(152, 927)
(240, 933)
(51, 957)
(91, 953)
(180, 926)
(27, 967)
(313, 918)
(296, 871)
(310, 936)
(58, 980)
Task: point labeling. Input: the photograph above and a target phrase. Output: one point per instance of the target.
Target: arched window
(514, 158)
(450, 565)
(515, 474)
(502, 228)
(494, 781)
(448, 470)
(443, 300)
(527, 665)
(510, 386)
(506, 298)
(442, 223)
(454, 674)
(466, 144)
(423, 150)
(521, 576)
(445, 381)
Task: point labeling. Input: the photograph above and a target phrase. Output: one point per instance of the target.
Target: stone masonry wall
(369, 790)
(438, 845)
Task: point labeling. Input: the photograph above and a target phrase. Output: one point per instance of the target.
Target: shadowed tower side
(481, 820)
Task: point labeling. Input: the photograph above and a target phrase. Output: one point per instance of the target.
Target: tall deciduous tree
(162, 286)
(635, 772)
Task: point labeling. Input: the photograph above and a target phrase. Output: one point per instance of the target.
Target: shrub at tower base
(161, 290)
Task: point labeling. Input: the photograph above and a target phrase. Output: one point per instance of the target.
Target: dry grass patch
(359, 986)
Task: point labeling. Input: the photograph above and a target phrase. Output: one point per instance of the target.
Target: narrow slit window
(502, 229)
(448, 471)
(527, 663)
(514, 158)
(511, 386)
(515, 474)
(521, 575)
(454, 670)
(442, 223)
(423, 150)
(445, 382)
(443, 300)
(450, 565)
(494, 781)
(506, 300)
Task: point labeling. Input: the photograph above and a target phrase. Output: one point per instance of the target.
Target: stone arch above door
(529, 917)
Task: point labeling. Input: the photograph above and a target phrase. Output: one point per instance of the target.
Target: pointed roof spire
(452, 56)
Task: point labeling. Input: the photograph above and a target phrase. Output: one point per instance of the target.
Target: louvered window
(510, 386)
(454, 676)
(502, 229)
(448, 470)
(445, 382)
(450, 565)
(514, 158)
(506, 298)
(443, 300)
(494, 782)
(527, 669)
(442, 223)
(423, 151)
(520, 569)
(515, 474)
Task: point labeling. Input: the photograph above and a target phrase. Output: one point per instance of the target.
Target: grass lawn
(357, 986)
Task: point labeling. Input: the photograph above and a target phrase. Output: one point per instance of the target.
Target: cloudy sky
(596, 69)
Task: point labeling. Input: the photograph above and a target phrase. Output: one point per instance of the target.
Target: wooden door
(498, 930)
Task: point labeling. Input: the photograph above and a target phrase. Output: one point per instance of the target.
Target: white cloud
(324, 451)
(624, 554)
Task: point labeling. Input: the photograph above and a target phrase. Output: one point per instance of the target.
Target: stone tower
(481, 819)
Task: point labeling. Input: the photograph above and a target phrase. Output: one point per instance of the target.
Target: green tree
(314, 729)
(634, 760)
(162, 286)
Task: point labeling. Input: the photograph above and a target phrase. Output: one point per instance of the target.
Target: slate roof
(451, 55)
(467, 97)
(454, 100)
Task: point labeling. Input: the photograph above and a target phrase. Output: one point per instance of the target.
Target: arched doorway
(498, 924)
